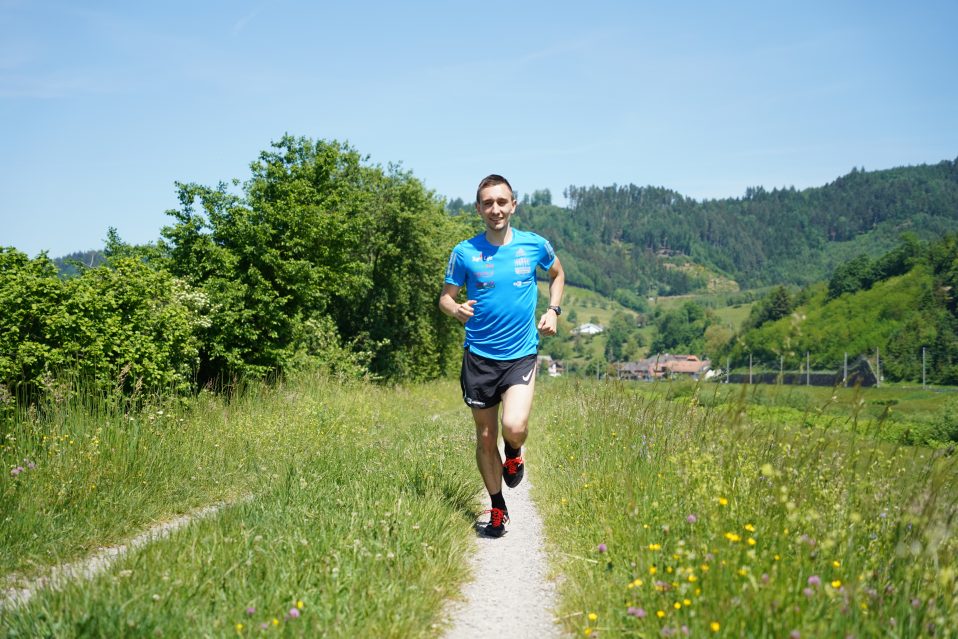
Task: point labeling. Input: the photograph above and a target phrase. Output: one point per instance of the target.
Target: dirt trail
(511, 594)
(17, 590)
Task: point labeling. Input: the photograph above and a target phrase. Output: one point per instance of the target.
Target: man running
(497, 267)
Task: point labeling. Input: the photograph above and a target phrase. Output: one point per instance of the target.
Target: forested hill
(623, 240)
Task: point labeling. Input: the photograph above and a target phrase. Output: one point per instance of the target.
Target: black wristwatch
(557, 309)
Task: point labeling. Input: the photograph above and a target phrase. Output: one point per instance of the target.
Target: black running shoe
(497, 522)
(512, 471)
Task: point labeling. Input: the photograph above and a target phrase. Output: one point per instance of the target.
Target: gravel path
(511, 594)
(17, 591)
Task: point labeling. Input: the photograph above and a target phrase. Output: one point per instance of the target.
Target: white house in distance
(587, 329)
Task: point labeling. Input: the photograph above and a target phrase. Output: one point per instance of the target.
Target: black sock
(511, 452)
(498, 501)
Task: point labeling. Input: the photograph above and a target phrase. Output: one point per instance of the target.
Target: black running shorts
(484, 380)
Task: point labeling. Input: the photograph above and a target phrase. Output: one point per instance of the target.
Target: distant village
(662, 366)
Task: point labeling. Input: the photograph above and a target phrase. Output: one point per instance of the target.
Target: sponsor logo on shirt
(521, 283)
(485, 285)
(523, 270)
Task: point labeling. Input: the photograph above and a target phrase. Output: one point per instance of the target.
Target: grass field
(346, 532)
(670, 515)
(710, 510)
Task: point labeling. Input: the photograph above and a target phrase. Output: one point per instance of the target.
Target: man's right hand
(464, 311)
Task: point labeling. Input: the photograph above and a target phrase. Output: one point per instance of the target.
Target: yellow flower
(714, 626)
(239, 627)
(659, 613)
(732, 537)
(837, 584)
(693, 579)
(742, 571)
(299, 604)
(676, 605)
(836, 564)
(653, 570)
(687, 602)
(777, 557)
(587, 632)
(593, 616)
(655, 547)
(275, 621)
(722, 501)
(751, 542)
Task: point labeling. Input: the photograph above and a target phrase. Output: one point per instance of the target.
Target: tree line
(319, 259)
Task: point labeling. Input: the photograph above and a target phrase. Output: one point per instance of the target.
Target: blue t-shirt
(502, 280)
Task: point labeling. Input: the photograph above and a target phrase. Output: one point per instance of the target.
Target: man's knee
(514, 427)
(486, 438)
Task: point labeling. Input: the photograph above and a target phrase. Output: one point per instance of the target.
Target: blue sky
(104, 105)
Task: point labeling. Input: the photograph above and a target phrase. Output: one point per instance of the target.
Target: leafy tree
(317, 234)
(681, 330)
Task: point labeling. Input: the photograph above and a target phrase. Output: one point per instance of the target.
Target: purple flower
(16, 471)
(916, 603)
(602, 548)
(264, 626)
(795, 634)
(685, 630)
(293, 613)
(765, 578)
(638, 613)
(691, 519)
(814, 580)
(29, 464)
(250, 611)
(808, 592)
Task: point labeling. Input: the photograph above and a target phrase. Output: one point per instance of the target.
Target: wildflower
(593, 616)
(250, 611)
(751, 542)
(264, 626)
(691, 519)
(686, 602)
(795, 634)
(693, 578)
(275, 621)
(655, 547)
(814, 580)
(16, 471)
(587, 632)
(732, 537)
(653, 570)
(715, 626)
(239, 627)
(293, 613)
(767, 470)
(837, 584)
(916, 603)
(808, 592)
(659, 613)
(677, 605)
(299, 604)
(749, 527)
(722, 501)
(638, 613)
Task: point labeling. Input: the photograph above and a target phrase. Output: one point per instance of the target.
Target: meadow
(670, 510)
(670, 514)
(348, 513)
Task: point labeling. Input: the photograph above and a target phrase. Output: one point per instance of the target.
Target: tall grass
(360, 511)
(673, 514)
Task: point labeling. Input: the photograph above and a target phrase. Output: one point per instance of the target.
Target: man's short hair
(493, 180)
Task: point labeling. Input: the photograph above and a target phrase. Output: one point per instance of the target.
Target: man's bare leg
(487, 450)
(516, 408)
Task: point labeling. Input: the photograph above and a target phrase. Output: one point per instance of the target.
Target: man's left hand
(548, 322)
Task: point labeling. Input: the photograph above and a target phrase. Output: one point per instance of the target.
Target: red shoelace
(512, 465)
(496, 516)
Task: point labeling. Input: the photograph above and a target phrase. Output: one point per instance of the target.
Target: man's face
(496, 206)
